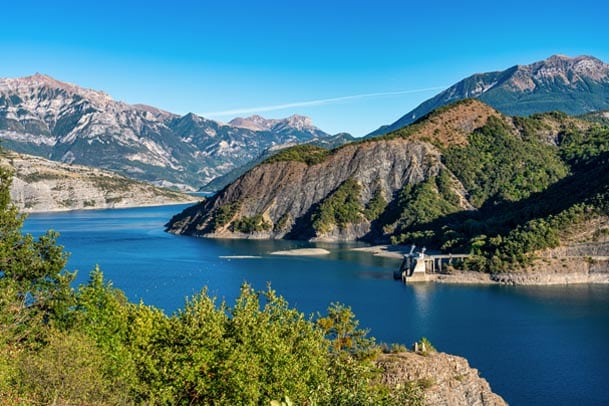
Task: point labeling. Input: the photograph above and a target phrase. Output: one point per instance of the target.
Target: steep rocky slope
(285, 194)
(41, 185)
(222, 181)
(446, 379)
(571, 85)
(63, 122)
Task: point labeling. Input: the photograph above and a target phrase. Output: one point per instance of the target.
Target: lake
(535, 345)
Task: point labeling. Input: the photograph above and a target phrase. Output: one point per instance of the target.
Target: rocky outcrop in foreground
(40, 185)
(444, 379)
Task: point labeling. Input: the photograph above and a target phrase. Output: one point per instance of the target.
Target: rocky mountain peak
(43, 91)
(258, 123)
(69, 123)
(564, 60)
(573, 85)
(560, 67)
(153, 110)
(254, 123)
(299, 122)
(31, 87)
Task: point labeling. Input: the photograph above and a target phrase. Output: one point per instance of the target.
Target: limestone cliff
(41, 185)
(445, 379)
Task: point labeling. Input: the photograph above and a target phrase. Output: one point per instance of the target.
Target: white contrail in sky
(260, 109)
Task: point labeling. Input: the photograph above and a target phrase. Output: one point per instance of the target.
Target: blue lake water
(536, 346)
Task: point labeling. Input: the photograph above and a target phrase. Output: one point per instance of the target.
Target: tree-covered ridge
(530, 180)
(89, 345)
(307, 153)
(443, 127)
(528, 191)
(500, 166)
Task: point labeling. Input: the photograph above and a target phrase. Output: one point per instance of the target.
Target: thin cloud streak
(319, 102)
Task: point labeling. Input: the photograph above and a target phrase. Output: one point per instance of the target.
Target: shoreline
(130, 206)
(544, 272)
(520, 278)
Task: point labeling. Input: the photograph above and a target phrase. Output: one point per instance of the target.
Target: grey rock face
(572, 85)
(449, 379)
(41, 185)
(291, 190)
(62, 122)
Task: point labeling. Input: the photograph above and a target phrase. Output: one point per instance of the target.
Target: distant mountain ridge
(329, 143)
(572, 85)
(294, 122)
(64, 122)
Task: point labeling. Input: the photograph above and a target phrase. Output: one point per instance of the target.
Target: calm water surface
(536, 346)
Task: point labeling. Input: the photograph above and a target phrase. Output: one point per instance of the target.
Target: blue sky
(225, 56)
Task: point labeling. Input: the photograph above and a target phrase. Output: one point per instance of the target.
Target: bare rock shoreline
(565, 270)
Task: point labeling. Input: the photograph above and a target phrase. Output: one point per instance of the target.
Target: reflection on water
(536, 345)
(422, 295)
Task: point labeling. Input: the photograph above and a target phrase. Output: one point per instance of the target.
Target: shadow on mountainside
(499, 216)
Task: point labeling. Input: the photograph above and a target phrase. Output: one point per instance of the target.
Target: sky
(351, 66)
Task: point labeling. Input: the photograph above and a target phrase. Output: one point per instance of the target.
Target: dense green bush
(341, 208)
(251, 224)
(309, 154)
(579, 147)
(421, 204)
(497, 165)
(224, 215)
(377, 204)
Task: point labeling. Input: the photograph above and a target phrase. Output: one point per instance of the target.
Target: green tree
(91, 346)
(341, 208)
(34, 266)
(68, 369)
(102, 312)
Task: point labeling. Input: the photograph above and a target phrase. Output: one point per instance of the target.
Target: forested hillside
(464, 178)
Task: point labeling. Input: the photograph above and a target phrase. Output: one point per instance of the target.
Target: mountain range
(572, 85)
(67, 123)
(63, 122)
